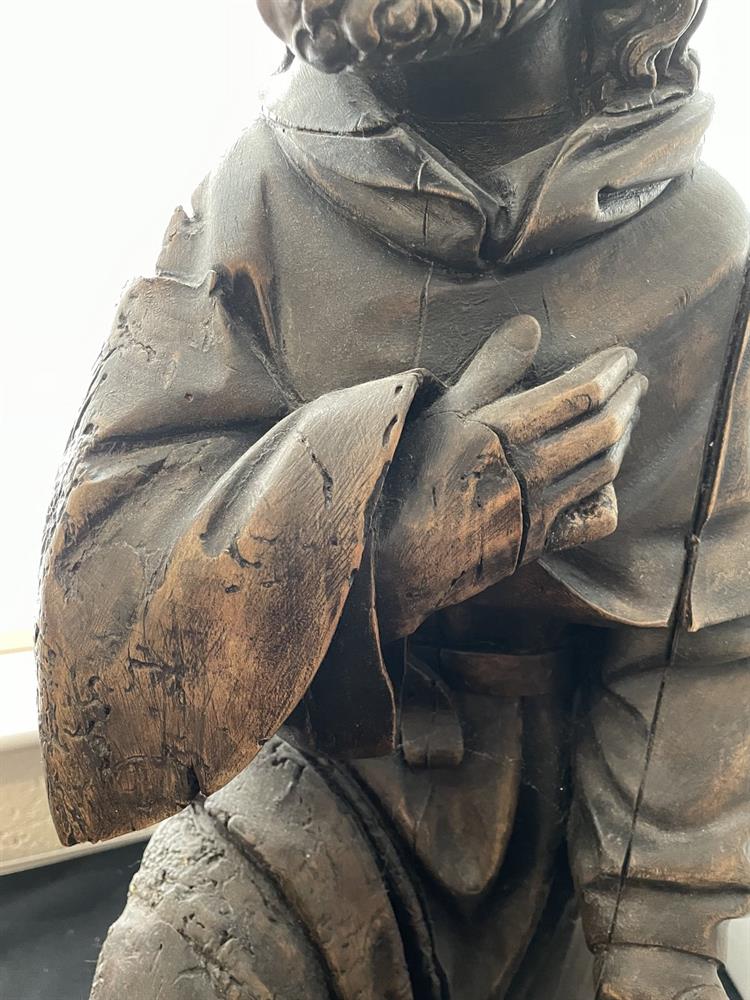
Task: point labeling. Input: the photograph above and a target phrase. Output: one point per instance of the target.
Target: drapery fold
(196, 568)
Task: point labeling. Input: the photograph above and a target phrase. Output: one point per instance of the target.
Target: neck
(525, 75)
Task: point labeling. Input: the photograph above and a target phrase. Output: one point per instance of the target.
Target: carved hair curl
(333, 34)
(631, 43)
(643, 43)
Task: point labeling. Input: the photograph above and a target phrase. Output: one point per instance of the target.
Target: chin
(335, 34)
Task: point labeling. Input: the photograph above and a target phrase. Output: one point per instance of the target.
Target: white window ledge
(27, 835)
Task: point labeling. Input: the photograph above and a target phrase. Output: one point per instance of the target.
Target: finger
(586, 388)
(559, 453)
(588, 521)
(498, 364)
(589, 478)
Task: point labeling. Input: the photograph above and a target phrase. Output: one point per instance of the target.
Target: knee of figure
(203, 922)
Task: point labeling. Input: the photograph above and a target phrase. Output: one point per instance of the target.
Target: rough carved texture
(209, 601)
(374, 454)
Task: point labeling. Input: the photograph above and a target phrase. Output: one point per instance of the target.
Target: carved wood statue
(404, 535)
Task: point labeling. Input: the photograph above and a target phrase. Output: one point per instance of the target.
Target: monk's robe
(215, 514)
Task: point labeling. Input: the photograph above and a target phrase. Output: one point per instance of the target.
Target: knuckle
(615, 356)
(622, 355)
(635, 388)
(611, 427)
(610, 468)
(606, 524)
(591, 394)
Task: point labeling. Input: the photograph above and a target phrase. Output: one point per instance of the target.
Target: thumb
(498, 364)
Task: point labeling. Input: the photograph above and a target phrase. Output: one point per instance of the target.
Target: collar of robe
(379, 171)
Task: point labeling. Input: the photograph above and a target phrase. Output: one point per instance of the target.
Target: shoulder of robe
(230, 225)
(177, 361)
(195, 347)
(679, 265)
(696, 238)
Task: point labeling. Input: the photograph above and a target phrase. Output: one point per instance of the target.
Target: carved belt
(453, 789)
(431, 730)
(504, 675)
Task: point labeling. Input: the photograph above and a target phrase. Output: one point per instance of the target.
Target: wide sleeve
(200, 550)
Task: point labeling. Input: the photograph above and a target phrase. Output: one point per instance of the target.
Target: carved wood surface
(430, 438)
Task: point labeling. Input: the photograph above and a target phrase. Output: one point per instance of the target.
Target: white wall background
(112, 113)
